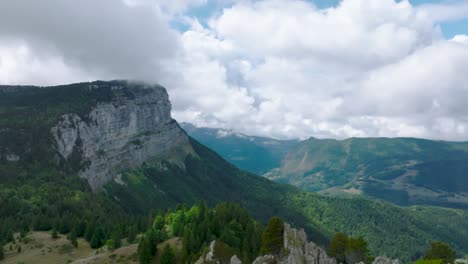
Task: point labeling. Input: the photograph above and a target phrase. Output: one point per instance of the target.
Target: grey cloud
(104, 36)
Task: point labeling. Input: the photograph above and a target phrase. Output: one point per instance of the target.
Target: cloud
(106, 37)
(364, 68)
(278, 68)
(446, 11)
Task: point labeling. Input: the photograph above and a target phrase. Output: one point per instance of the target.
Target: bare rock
(385, 260)
(119, 134)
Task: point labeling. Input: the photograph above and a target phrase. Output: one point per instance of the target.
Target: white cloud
(280, 68)
(364, 68)
(103, 36)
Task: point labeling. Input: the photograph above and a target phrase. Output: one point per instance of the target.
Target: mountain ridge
(403, 170)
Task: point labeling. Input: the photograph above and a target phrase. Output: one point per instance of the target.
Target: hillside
(405, 171)
(55, 174)
(400, 170)
(254, 154)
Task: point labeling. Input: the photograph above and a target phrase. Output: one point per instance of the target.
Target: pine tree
(73, 238)
(97, 239)
(441, 251)
(2, 253)
(168, 256)
(117, 238)
(110, 243)
(337, 247)
(132, 233)
(54, 233)
(144, 251)
(89, 231)
(272, 239)
(356, 251)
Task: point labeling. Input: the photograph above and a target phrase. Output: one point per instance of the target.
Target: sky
(277, 68)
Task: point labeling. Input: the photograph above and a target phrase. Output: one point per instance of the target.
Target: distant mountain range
(404, 171)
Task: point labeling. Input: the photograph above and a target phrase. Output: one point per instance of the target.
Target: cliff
(93, 129)
(119, 134)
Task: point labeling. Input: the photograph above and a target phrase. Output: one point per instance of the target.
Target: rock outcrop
(385, 260)
(119, 134)
(297, 250)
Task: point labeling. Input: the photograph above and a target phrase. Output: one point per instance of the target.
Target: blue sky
(449, 29)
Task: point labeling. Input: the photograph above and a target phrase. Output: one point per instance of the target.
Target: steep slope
(149, 164)
(391, 230)
(254, 154)
(399, 170)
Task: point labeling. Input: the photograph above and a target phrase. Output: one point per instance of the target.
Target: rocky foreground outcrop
(121, 133)
(297, 250)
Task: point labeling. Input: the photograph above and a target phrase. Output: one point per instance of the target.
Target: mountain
(400, 170)
(404, 171)
(100, 158)
(254, 154)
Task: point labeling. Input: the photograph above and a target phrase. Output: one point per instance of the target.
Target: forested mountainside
(400, 170)
(404, 171)
(103, 157)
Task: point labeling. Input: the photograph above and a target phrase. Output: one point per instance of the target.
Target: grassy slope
(41, 248)
(391, 230)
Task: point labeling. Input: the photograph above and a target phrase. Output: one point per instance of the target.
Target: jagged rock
(119, 134)
(266, 259)
(297, 250)
(12, 157)
(210, 255)
(235, 260)
(385, 260)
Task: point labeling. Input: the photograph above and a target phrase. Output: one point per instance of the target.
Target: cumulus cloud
(364, 68)
(277, 68)
(106, 38)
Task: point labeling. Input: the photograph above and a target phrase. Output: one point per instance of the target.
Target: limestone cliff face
(120, 133)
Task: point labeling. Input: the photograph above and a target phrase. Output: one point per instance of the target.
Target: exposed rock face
(119, 134)
(297, 250)
(267, 259)
(235, 260)
(385, 260)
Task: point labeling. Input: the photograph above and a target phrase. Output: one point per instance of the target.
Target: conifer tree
(2, 253)
(73, 238)
(54, 233)
(272, 239)
(337, 247)
(144, 251)
(168, 256)
(441, 251)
